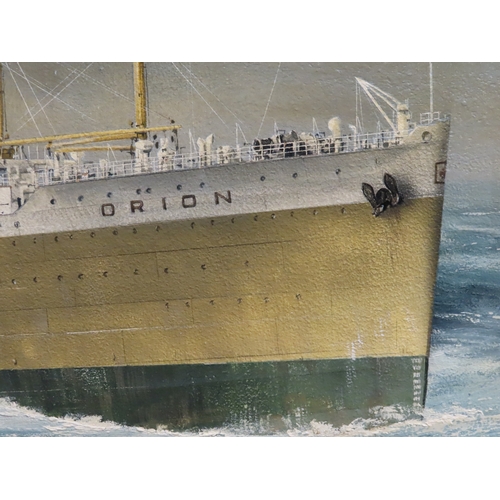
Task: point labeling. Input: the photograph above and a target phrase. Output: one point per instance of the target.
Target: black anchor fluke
(390, 184)
(385, 197)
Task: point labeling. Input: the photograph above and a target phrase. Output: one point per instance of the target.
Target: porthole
(138, 191)
(179, 187)
(426, 136)
(262, 178)
(148, 190)
(295, 175)
(110, 194)
(53, 201)
(202, 185)
(80, 198)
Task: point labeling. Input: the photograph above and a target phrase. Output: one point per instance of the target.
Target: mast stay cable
(40, 86)
(53, 97)
(24, 100)
(204, 100)
(36, 97)
(269, 100)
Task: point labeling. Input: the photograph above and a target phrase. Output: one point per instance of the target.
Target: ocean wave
(477, 214)
(17, 420)
(384, 421)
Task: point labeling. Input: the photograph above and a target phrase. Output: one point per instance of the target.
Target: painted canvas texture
(239, 338)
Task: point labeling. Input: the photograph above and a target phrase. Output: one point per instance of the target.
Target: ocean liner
(285, 280)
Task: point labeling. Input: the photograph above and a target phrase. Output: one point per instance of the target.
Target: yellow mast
(140, 96)
(139, 132)
(93, 148)
(2, 110)
(104, 135)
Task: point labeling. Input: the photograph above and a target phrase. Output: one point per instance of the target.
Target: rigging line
(269, 100)
(53, 97)
(204, 100)
(191, 102)
(242, 133)
(24, 100)
(36, 97)
(39, 85)
(361, 109)
(117, 94)
(199, 79)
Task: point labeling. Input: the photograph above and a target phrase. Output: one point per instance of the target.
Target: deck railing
(52, 173)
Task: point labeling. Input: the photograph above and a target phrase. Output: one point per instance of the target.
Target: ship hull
(265, 396)
(283, 298)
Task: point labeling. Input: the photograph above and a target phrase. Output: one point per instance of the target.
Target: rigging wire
(191, 101)
(269, 100)
(118, 94)
(40, 86)
(206, 88)
(204, 100)
(64, 88)
(36, 97)
(242, 133)
(24, 100)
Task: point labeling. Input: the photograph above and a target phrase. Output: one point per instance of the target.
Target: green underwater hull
(270, 394)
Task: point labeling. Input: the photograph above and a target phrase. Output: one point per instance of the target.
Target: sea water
(463, 397)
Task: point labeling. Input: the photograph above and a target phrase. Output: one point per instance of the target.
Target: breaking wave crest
(16, 420)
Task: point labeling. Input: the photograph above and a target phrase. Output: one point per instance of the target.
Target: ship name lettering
(108, 209)
(189, 201)
(226, 198)
(136, 205)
